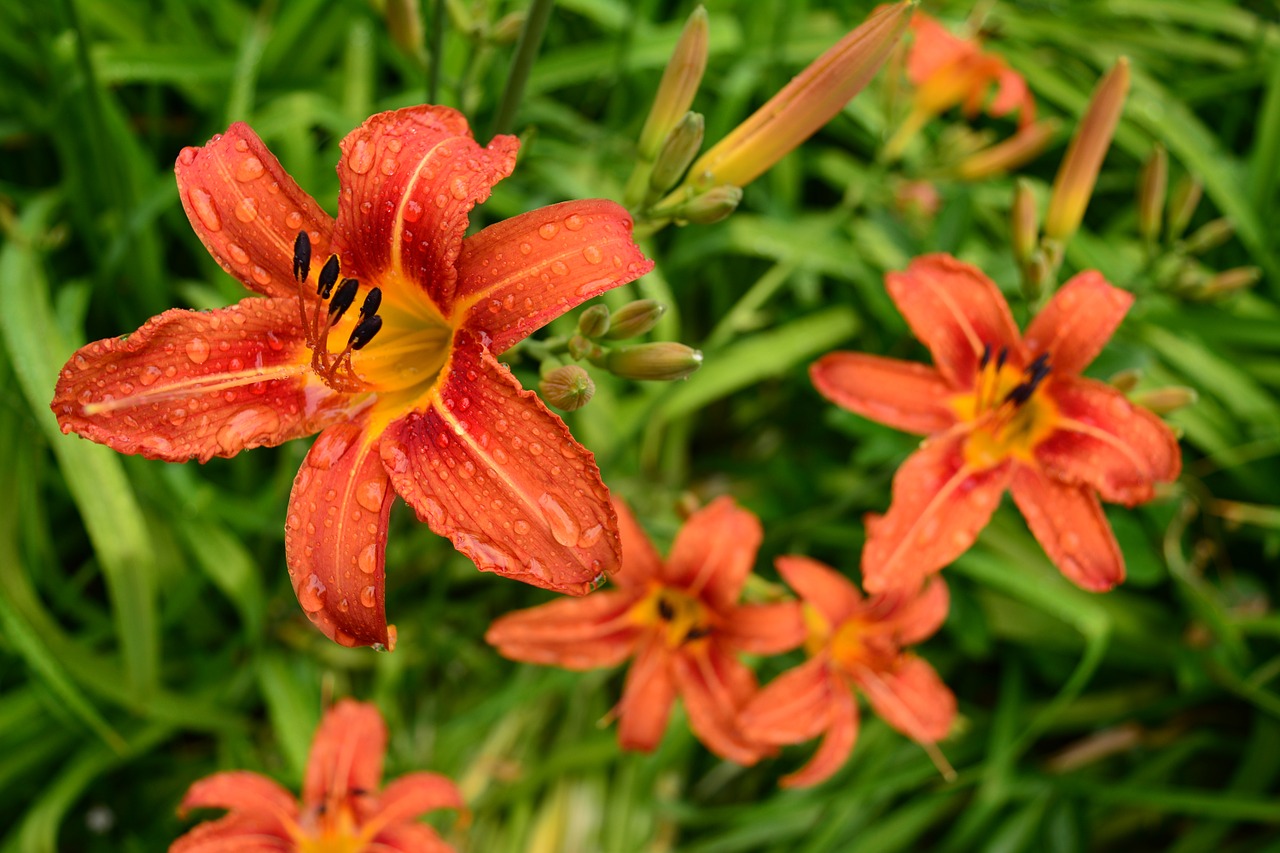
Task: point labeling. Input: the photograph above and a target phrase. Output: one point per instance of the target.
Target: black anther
(301, 256)
(371, 302)
(342, 299)
(697, 633)
(665, 611)
(364, 332)
(328, 276)
(986, 356)
(1002, 358)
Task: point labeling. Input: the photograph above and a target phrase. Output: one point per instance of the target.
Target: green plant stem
(535, 24)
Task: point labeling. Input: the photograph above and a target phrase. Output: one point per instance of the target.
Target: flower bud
(1079, 170)
(1209, 236)
(1024, 227)
(404, 24)
(1126, 380)
(508, 27)
(1008, 154)
(710, 206)
(634, 319)
(679, 84)
(1182, 204)
(594, 322)
(677, 152)
(1230, 281)
(580, 347)
(1163, 401)
(568, 387)
(662, 361)
(1153, 185)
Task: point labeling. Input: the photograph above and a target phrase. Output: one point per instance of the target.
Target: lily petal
(713, 553)
(640, 560)
(940, 504)
(902, 394)
(336, 536)
(1105, 441)
(1070, 525)
(346, 755)
(821, 587)
(487, 465)
(409, 181)
(794, 707)
(235, 833)
(911, 698)
(836, 744)
(247, 211)
(922, 616)
(575, 633)
(765, 629)
(934, 48)
(244, 792)
(1078, 321)
(408, 838)
(520, 274)
(714, 686)
(198, 384)
(647, 696)
(956, 311)
(412, 795)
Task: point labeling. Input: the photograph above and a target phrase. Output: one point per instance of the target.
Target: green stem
(535, 24)
(435, 50)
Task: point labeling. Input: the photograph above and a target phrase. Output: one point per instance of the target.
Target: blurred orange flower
(1001, 410)
(853, 642)
(406, 393)
(681, 623)
(342, 808)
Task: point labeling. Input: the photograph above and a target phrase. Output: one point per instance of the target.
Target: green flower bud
(1230, 281)
(1209, 236)
(1183, 204)
(663, 361)
(1024, 227)
(678, 151)
(710, 206)
(594, 322)
(1153, 185)
(1126, 380)
(1162, 401)
(634, 319)
(568, 387)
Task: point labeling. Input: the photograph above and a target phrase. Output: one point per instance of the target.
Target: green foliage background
(149, 636)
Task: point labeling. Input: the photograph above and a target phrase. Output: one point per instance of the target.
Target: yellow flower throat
(1007, 414)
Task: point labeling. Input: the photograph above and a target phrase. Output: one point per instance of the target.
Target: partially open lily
(1001, 410)
(853, 642)
(343, 808)
(681, 622)
(380, 331)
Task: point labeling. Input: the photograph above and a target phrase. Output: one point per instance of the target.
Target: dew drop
(370, 494)
(198, 350)
(590, 536)
(328, 449)
(242, 145)
(368, 559)
(573, 222)
(368, 596)
(203, 205)
(412, 211)
(563, 527)
(521, 526)
(247, 427)
(293, 220)
(237, 253)
(546, 232)
(535, 448)
(559, 268)
(249, 169)
(459, 188)
(260, 275)
(311, 593)
(247, 210)
(178, 417)
(360, 160)
(396, 455)
(593, 255)
(525, 248)
(388, 166)
(187, 156)
(150, 374)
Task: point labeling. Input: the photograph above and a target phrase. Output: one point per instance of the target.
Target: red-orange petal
(1077, 323)
(714, 686)
(647, 696)
(346, 754)
(487, 465)
(640, 560)
(902, 394)
(415, 794)
(837, 743)
(714, 552)
(934, 48)
(574, 633)
(235, 833)
(956, 311)
(821, 587)
(1105, 441)
(410, 179)
(197, 384)
(1012, 94)
(335, 536)
(516, 276)
(794, 707)
(1070, 525)
(241, 791)
(764, 629)
(920, 617)
(248, 211)
(408, 838)
(911, 698)
(940, 504)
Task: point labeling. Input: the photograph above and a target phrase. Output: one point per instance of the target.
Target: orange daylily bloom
(343, 809)
(679, 620)
(853, 642)
(406, 391)
(1001, 410)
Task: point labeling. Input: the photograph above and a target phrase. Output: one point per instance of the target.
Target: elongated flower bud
(1008, 154)
(710, 206)
(1183, 203)
(679, 84)
(1230, 281)
(1211, 235)
(1126, 380)
(1024, 227)
(663, 361)
(1162, 401)
(1079, 170)
(634, 319)
(1153, 184)
(677, 153)
(805, 104)
(567, 387)
(594, 322)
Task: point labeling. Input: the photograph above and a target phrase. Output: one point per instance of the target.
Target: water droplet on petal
(360, 160)
(593, 255)
(369, 596)
(412, 211)
(458, 188)
(247, 210)
(328, 449)
(311, 593)
(521, 526)
(388, 166)
(198, 350)
(150, 374)
(563, 527)
(590, 536)
(205, 210)
(546, 232)
(249, 168)
(178, 417)
(370, 494)
(293, 220)
(187, 155)
(559, 268)
(573, 222)
(260, 275)
(237, 253)
(525, 248)
(368, 559)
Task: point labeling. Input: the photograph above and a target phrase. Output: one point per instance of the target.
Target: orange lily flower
(679, 620)
(342, 808)
(853, 642)
(406, 392)
(1001, 411)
